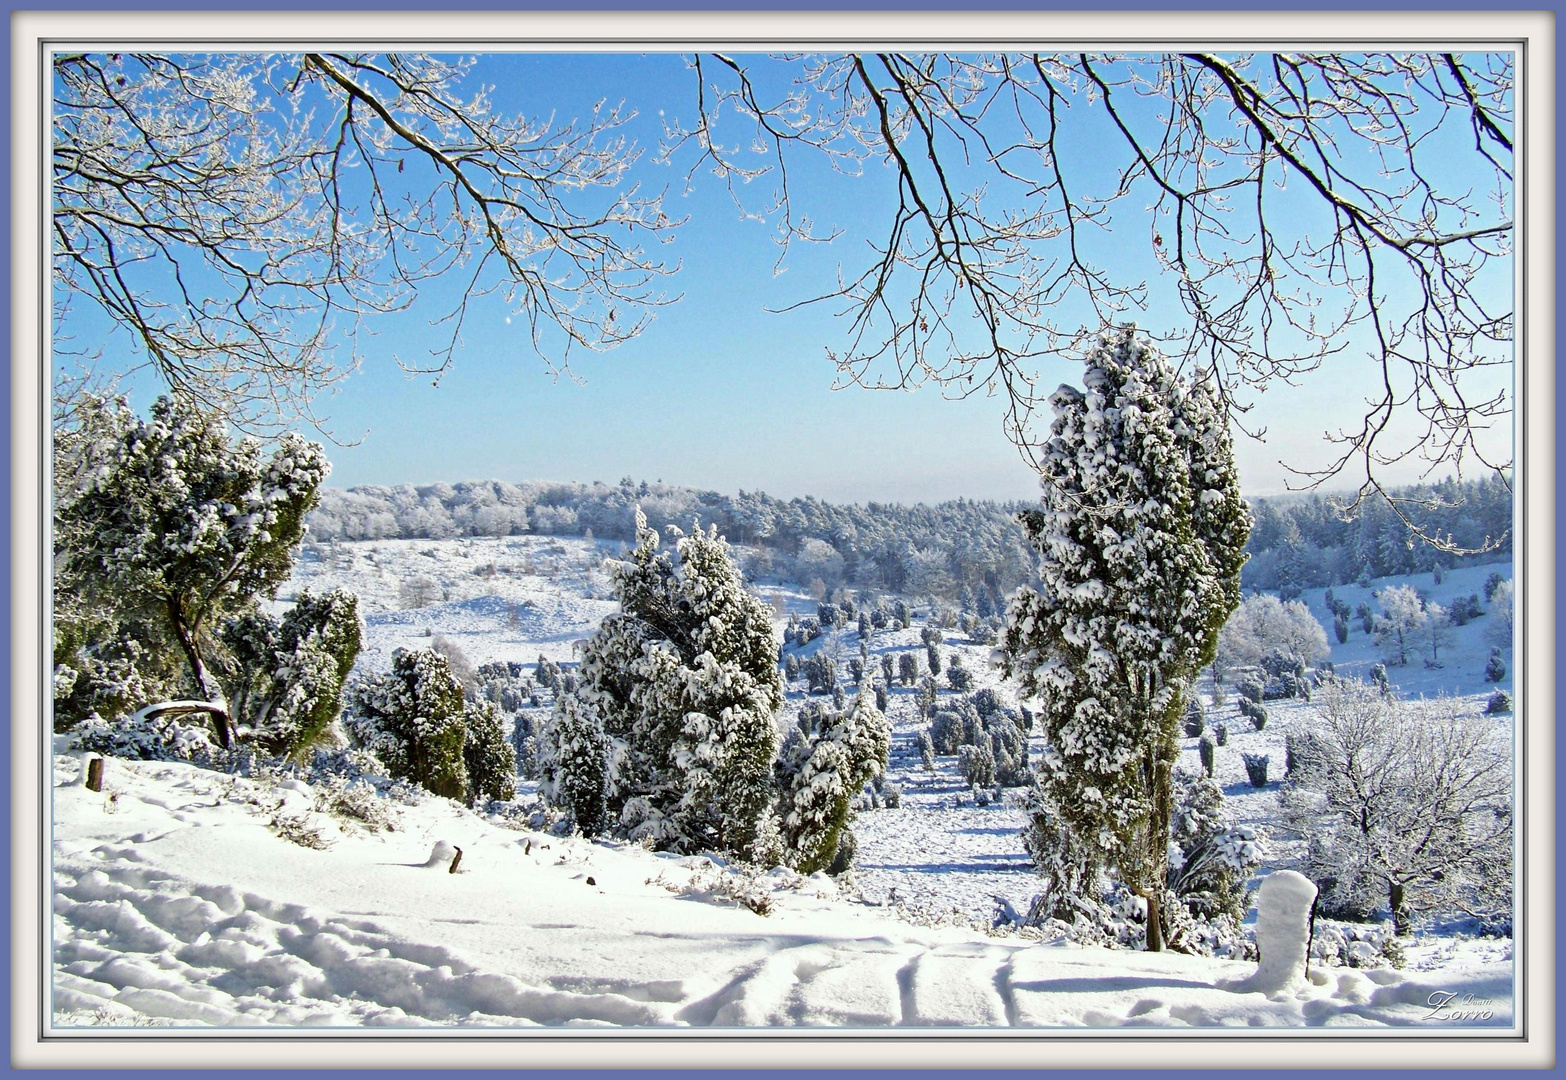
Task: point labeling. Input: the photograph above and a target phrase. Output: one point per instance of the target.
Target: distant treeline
(1301, 543)
(943, 550)
(937, 550)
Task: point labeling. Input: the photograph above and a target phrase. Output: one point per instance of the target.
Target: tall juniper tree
(1141, 536)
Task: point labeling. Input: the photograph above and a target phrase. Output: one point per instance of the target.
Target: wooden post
(456, 860)
(95, 774)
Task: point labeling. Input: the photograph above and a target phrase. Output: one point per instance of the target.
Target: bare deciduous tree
(227, 210)
(1295, 205)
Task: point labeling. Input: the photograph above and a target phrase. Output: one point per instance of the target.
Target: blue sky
(719, 392)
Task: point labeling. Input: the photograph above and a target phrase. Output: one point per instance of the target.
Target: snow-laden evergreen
(166, 524)
(412, 721)
(680, 688)
(1141, 537)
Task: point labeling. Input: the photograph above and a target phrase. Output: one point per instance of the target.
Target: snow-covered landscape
(1075, 685)
(180, 898)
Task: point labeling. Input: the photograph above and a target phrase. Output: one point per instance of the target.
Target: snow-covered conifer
(412, 720)
(1141, 536)
(822, 774)
(1495, 667)
(168, 520)
(491, 762)
(286, 677)
(683, 683)
(907, 668)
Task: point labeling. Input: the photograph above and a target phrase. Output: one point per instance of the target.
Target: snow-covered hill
(178, 902)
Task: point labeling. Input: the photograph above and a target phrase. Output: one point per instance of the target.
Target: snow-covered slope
(178, 902)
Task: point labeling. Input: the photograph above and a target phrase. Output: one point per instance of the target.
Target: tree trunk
(1402, 921)
(205, 685)
(1155, 925)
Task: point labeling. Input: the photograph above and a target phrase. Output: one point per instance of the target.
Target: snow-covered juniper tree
(678, 691)
(1141, 537)
(286, 676)
(414, 720)
(168, 522)
(821, 773)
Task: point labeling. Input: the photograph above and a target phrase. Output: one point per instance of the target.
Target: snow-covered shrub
(1255, 713)
(907, 668)
(1402, 618)
(1401, 804)
(932, 658)
(1501, 614)
(574, 758)
(1252, 688)
(1211, 858)
(1340, 628)
(306, 830)
(166, 523)
(926, 695)
(1499, 702)
(680, 688)
(821, 773)
(791, 667)
(888, 669)
(856, 670)
(165, 738)
(892, 796)
(356, 800)
(977, 765)
(1195, 720)
(958, 677)
(946, 732)
(1256, 769)
(1340, 944)
(820, 672)
(1221, 734)
(413, 720)
(1206, 750)
(1141, 535)
(926, 750)
(881, 700)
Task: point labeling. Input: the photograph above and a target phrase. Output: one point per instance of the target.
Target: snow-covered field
(178, 901)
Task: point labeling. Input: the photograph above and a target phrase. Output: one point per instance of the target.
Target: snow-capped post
(1283, 909)
(95, 774)
(456, 860)
(1141, 537)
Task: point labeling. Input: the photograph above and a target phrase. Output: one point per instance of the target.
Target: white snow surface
(1283, 904)
(177, 902)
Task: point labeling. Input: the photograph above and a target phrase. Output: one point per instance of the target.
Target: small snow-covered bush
(1221, 734)
(1495, 667)
(1256, 769)
(977, 764)
(1253, 712)
(1205, 750)
(1195, 720)
(926, 750)
(414, 721)
(1499, 702)
(957, 676)
(1251, 688)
